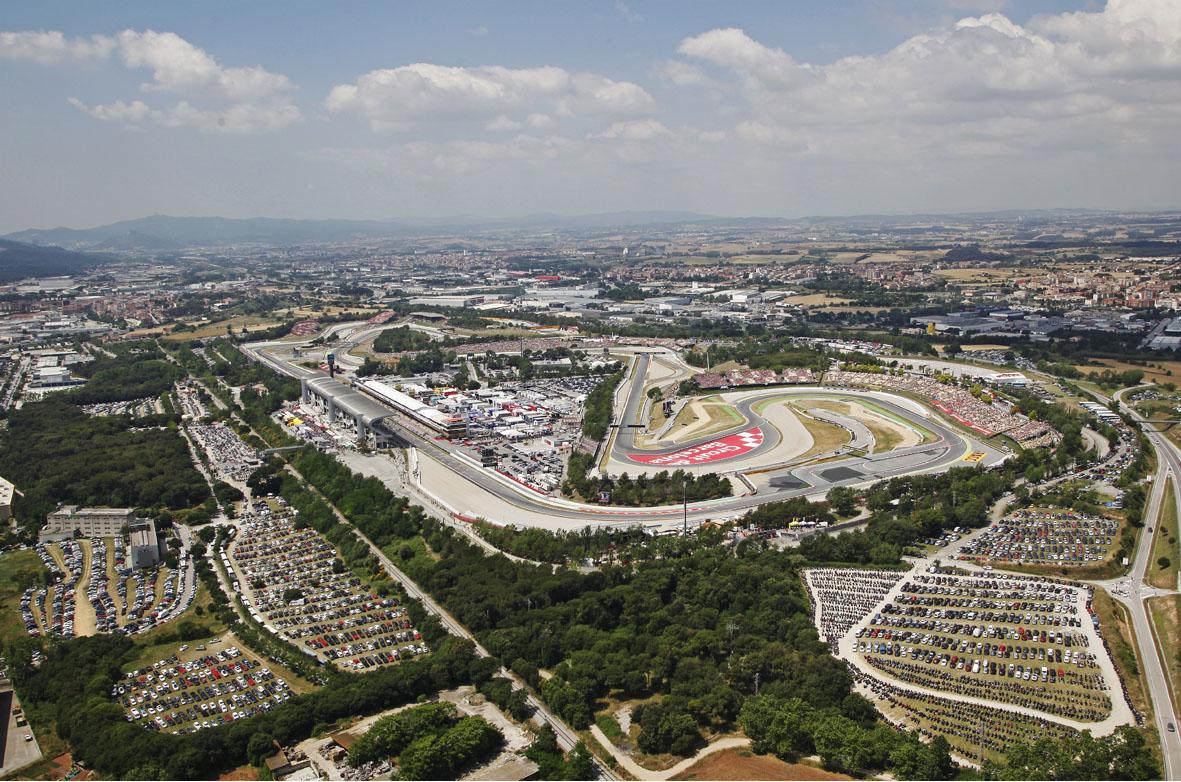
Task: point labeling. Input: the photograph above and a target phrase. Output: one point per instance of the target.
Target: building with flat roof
(6, 492)
(70, 520)
(143, 544)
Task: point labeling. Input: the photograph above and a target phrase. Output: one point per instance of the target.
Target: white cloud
(683, 74)
(628, 13)
(982, 86)
(502, 122)
(231, 100)
(733, 49)
(398, 98)
(636, 130)
(49, 47)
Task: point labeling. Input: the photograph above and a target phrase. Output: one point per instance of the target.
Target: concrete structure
(63, 523)
(6, 492)
(145, 548)
(339, 399)
(437, 420)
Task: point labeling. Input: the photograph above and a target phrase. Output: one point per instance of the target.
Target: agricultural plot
(197, 690)
(296, 585)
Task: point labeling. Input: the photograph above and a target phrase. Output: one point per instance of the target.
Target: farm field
(218, 328)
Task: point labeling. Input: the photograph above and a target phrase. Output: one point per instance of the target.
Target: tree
(843, 500)
(260, 747)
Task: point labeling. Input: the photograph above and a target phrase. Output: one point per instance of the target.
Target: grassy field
(1164, 544)
(826, 437)
(218, 328)
(1116, 629)
(1154, 371)
(817, 300)
(720, 415)
(981, 276)
(1165, 615)
(18, 571)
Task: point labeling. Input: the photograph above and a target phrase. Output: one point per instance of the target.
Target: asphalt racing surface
(482, 490)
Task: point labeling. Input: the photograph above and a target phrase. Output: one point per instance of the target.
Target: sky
(435, 109)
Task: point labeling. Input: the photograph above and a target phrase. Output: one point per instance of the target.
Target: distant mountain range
(162, 233)
(19, 260)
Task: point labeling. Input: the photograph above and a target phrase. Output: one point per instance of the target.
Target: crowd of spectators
(738, 378)
(1052, 536)
(987, 418)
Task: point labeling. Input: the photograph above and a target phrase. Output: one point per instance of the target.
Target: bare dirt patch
(740, 764)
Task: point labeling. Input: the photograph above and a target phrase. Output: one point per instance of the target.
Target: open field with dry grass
(1154, 371)
(826, 437)
(218, 328)
(983, 276)
(1165, 615)
(729, 764)
(1164, 544)
(817, 300)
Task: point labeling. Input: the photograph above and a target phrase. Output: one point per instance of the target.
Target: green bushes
(430, 741)
(599, 404)
(664, 488)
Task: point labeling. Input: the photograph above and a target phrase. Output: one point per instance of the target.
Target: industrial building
(6, 492)
(144, 545)
(70, 521)
(437, 420)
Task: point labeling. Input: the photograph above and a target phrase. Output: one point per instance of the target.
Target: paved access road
(1132, 591)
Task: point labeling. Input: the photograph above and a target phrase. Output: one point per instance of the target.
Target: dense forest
(138, 370)
(19, 260)
(400, 339)
(54, 453)
(72, 687)
(598, 408)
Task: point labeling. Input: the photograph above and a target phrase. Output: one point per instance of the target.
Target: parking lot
(1016, 640)
(230, 457)
(1045, 536)
(294, 583)
(200, 688)
(134, 407)
(94, 589)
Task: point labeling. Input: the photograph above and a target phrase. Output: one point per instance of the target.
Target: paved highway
(1135, 592)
